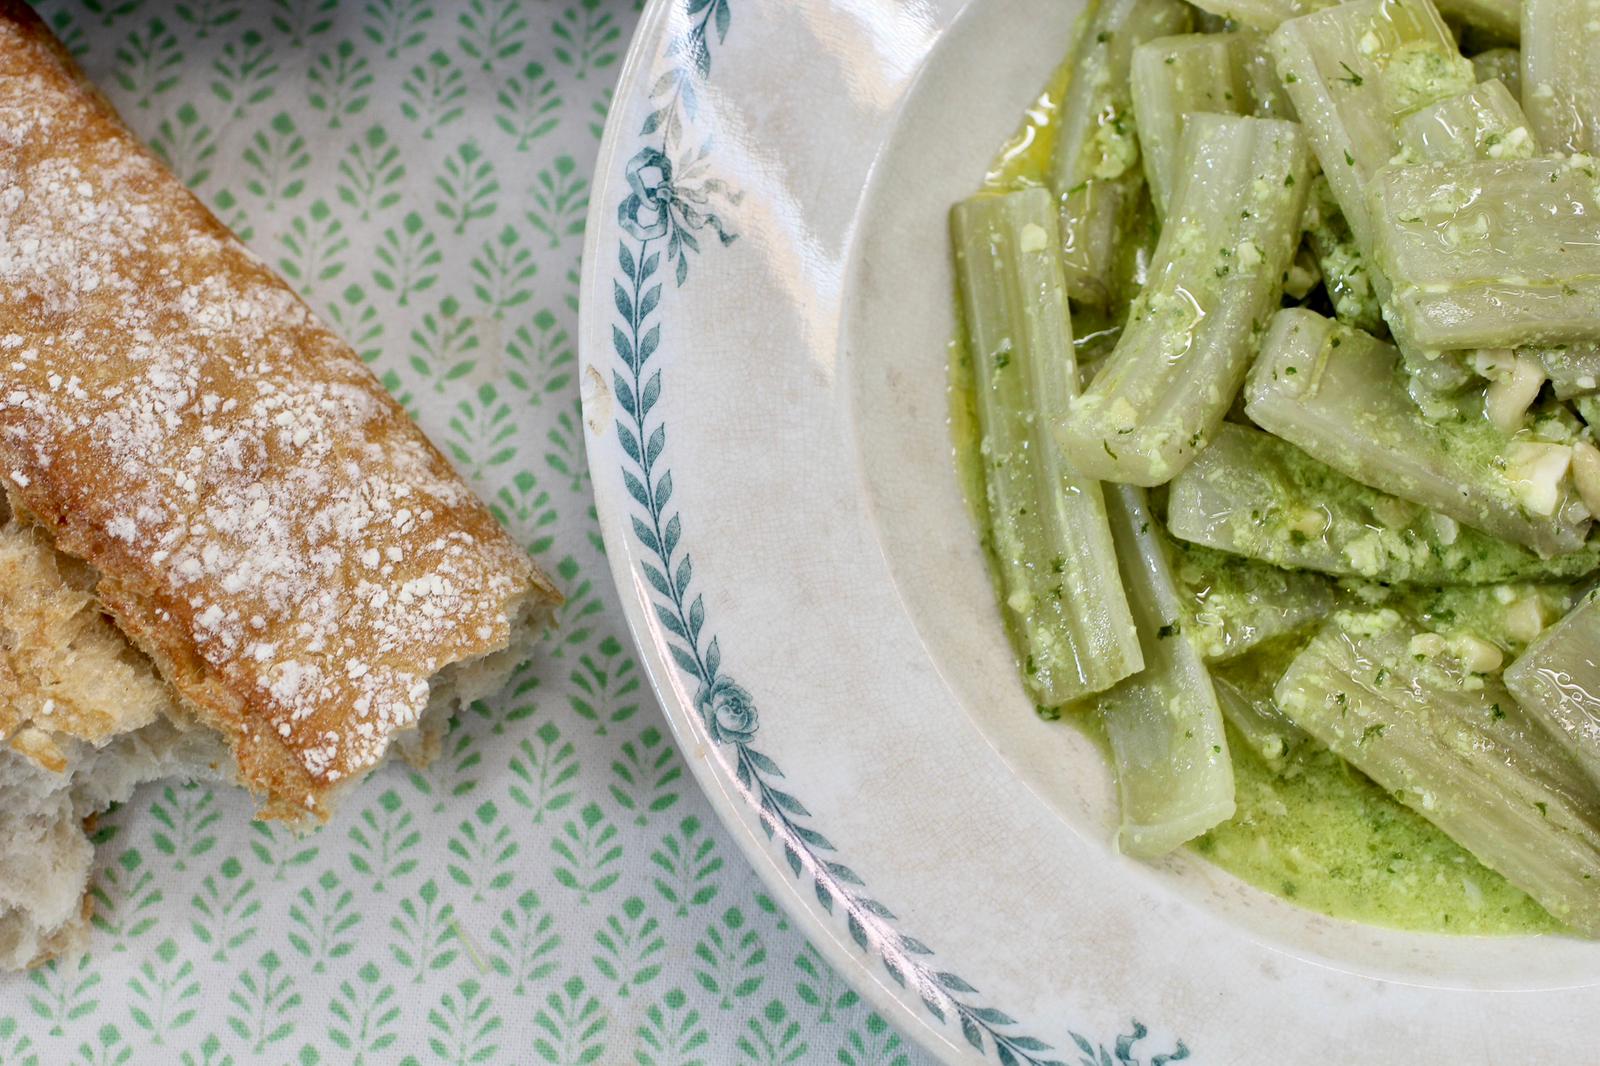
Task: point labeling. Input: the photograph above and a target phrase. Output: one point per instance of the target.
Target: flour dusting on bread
(301, 564)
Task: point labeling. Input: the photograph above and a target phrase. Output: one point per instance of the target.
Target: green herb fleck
(1168, 630)
(1351, 77)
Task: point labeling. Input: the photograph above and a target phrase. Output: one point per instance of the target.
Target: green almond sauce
(1318, 833)
(1325, 837)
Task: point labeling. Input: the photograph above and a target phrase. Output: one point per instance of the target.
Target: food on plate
(228, 552)
(1048, 524)
(1283, 346)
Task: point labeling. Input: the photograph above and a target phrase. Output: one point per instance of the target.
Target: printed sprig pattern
(553, 889)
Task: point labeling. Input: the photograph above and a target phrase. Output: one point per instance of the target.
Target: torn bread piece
(210, 466)
(83, 720)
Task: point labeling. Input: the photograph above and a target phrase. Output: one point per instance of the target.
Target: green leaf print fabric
(553, 889)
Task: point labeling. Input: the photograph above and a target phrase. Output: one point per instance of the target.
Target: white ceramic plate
(767, 301)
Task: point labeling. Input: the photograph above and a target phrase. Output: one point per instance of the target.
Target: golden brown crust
(269, 526)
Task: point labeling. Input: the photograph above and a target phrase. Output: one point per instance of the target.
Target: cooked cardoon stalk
(1573, 369)
(1557, 680)
(1165, 729)
(1232, 227)
(1340, 395)
(1255, 495)
(1499, 19)
(1245, 697)
(1486, 122)
(1343, 264)
(1232, 604)
(1095, 169)
(1172, 76)
(1502, 63)
(1261, 14)
(1490, 254)
(1267, 97)
(1353, 71)
(1456, 748)
(1064, 602)
(1131, 267)
(1560, 82)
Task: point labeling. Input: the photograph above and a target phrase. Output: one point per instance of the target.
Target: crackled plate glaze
(766, 307)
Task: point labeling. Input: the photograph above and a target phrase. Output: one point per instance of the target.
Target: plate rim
(624, 205)
(981, 1024)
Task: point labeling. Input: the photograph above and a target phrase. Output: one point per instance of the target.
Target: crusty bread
(227, 552)
(84, 719)
(301, 564)
(45, 854)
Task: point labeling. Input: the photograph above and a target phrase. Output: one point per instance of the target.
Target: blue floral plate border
(687, 218)
(665, 220)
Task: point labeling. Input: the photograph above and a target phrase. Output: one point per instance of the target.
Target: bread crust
(267, 524)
